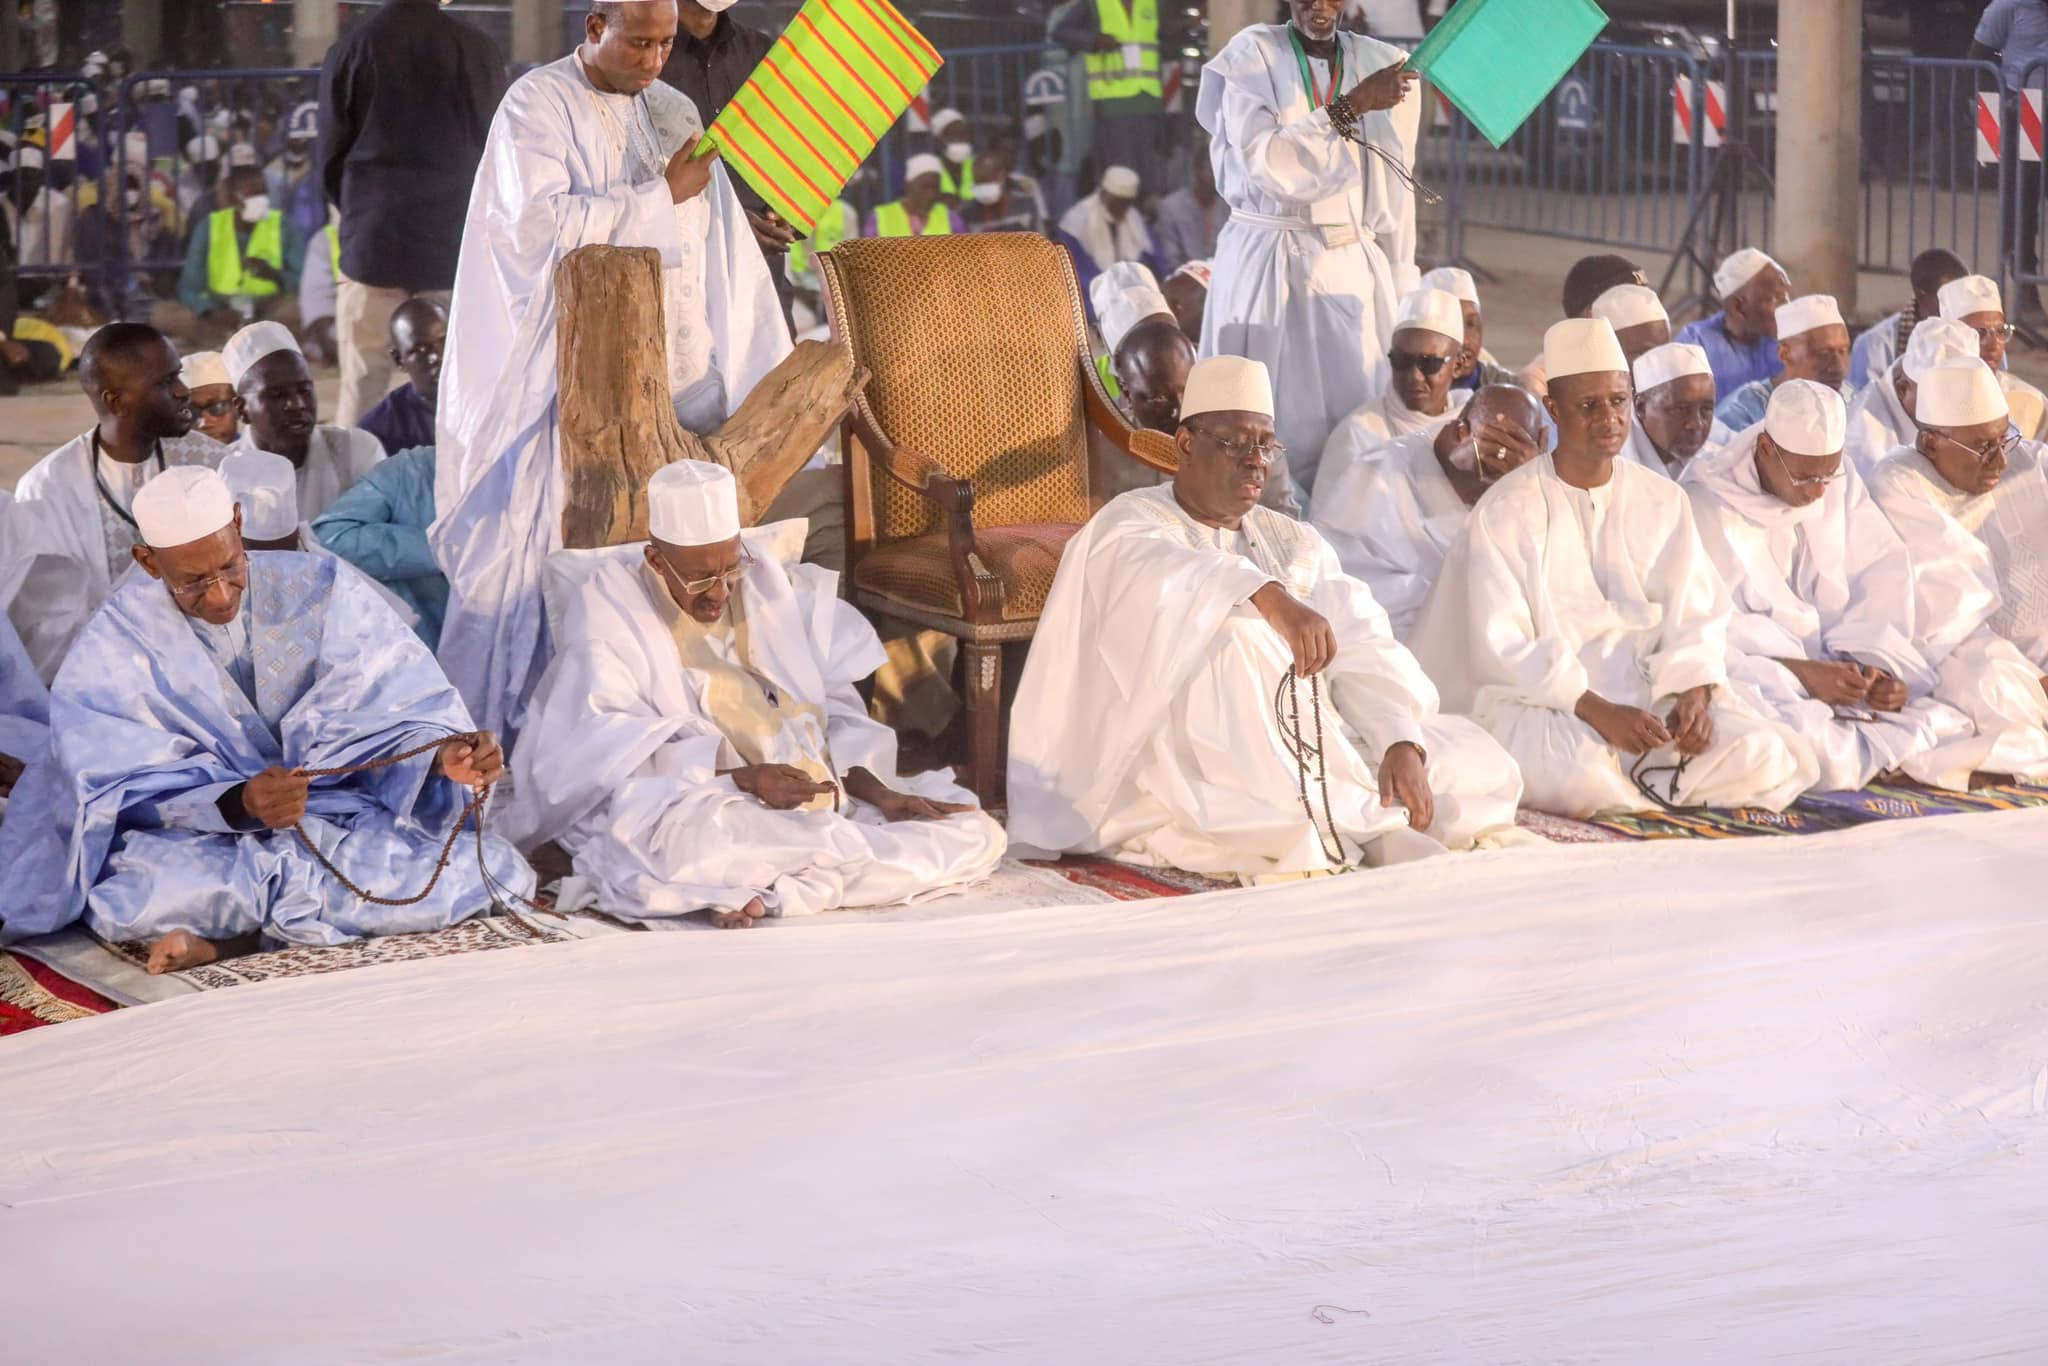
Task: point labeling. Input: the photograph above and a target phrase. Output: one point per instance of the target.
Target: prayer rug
(1565, 829)
(1127, 881)
(478, 934)
(33, 995)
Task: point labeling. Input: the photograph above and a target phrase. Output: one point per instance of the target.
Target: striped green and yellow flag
(820, 101)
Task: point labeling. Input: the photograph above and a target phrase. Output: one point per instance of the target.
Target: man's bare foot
(742, 919)
(181, 949)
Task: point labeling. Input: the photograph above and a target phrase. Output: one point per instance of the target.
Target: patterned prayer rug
(478, 934)
(1127, 881)
(33, 995)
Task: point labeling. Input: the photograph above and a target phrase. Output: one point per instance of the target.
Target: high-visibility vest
(1109, 76)
(960, 187)
(834, 226)
(334, 248)
(224, 273)
(893, 220)
(1106, 372)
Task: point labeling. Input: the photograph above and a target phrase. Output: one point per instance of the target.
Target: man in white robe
(280, 414)
(1674, 409)
(1881, 415)
(1637, 316)
(1578, 619)
(1209, 690)
(698, 745)
(1813, 344)
(266, 491)
(1320, 245)
(588, 149)
(1392, 516)
(1106, 225)
(1822, 634)
(75, 518)
(1975, 302)
(1422, 362)
(24, 701)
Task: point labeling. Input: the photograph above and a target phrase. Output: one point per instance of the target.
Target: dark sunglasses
(1428, 365)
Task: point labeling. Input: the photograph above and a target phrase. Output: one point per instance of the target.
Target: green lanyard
(1308, 83)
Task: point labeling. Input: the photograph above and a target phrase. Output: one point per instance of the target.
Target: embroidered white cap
(1807, 418)
(1454, 282)
(202, 368)
(924, 163)
(1971, 294)
(946, 117)
(267, 488)
(185, 503)
(1660, 365)
(1227, 384)
(1432, 310)
(253, 343)
(1739, 269)
(1201, 272)
(1582, 346)
(1960, 393)
(1806, 313)
(1935, 341)
(1124, 295)
(1630, 306)
(693, 502)
(1120, 181)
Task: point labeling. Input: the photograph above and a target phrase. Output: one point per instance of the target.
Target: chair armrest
(1152, 449)
(981, 592)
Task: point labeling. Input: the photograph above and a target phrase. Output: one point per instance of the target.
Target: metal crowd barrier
(45, 228)
(2020, 129)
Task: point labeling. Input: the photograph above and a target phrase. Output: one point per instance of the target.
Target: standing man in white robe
(588, 149)
(280, 414)
(1248, 712)
(1674, 409)
(1320, 245)
(1974, 301)
(698, 743)
(1578, 619)
(1422, 362)
(1881, 415)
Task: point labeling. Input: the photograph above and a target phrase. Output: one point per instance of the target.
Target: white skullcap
(946, 116)
(242, 154)
(1673, 360)
(1806, 313)
(1936, 341)
(1227, 384)
(1960, 393)
(205, 147)
(924, 163)
(252, 344)
(267, 487)
(1123, 296)
(1739, 269)
(693, 502)
(1120, 181)
(1971, 294)
(1630, 306)
(1432, 310)
(1582, 346)
(202, 368)
(1454, 282)
(28, 155)
(136, 146)
(1807, 418)
(185, 503)
(1201, 272)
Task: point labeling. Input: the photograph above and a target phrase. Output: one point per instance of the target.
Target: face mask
(987, 191)
(957, 152)
(255, 208)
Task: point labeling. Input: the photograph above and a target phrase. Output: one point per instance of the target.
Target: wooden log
(618, 424)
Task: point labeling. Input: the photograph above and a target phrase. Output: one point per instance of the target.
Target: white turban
(202, 368)
(1432, 310)
(1673, 360)
(1582, 346)
(924, 163)
(185, 503)
(1454, 282)
(205, 147)
(1124, 295)
(1807, 312)
(1807, 418)
(1739, 269)
(1120, 181)
(253, 343)
(1227, 384)
(693, 502)
(1960, 393)
(1935, 341)
(1971, 294)
(1630, 306)
(267, 488)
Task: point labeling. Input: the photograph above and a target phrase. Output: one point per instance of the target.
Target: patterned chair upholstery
(968, 456)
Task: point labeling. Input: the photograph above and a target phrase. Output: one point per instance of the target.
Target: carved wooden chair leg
(984, 720)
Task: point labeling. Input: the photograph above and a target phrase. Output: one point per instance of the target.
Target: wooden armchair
(968, 457)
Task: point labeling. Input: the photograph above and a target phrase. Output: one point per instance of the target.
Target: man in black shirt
(406, 99)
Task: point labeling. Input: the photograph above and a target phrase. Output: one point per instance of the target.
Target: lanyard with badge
(100, 483)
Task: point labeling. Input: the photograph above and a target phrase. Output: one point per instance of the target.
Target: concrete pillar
(1820, 141)
(315, 26)
(536, 30)
(1226, 17)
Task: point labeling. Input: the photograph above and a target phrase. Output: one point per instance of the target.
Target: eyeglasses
(697, 587)
(1268, 451)
(2000, 333)
(236, 573)
(1805, 481)
(1408, 360)
(1985, 455)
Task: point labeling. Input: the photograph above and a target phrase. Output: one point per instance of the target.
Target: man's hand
(1887, 693)
(1503, 445)
(1833, 681)
(1690, 723)
(1404, 779)
(472, 760)
(687, 175)
(1304, 630)
(262, 270)
(1383, 89)
(781, 787)
(861, 785)
(1629, 729)
(10, 774)
(770, 231)
(276, 798)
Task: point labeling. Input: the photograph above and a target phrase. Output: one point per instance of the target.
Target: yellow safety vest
(961, 187)
(893, 220)
(832, 229)
(1110, 77)
(1106, 371)
(224, 273)
(334, 245)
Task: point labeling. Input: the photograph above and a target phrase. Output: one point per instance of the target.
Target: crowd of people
(257, 666)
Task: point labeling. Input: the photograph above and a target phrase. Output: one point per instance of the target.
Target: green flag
(1497, 59)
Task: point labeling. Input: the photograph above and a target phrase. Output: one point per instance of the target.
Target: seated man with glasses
(1822, 637)
(1974, 301)
(1578, 619)
(698, 743)
(182, 807)
(1209, 690)
(1427, 351)
(213, 396)
(1970, 500)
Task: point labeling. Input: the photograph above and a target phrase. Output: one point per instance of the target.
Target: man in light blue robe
(24, 703)
(183, 717)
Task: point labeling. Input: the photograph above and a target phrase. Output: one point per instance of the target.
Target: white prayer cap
(1806, 313)
(1120, 181)
(1673, 360)
(202, 368)
(1971, 294)
(267, 487)
(924, 163)
(28, 155)
(1124, 295)
(1936, 341)
(1960, 393)
(205, 147)
(1454, 282)
(1582, 346)
(1227, 384)
(1807, 418)
(1432, 310)
(1201, 272)
(136, 148)
(185, 503)
(242, 154)
(693, 502)
(944, 117)
(252, 344)
(1739, 269)
(1630, 306)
